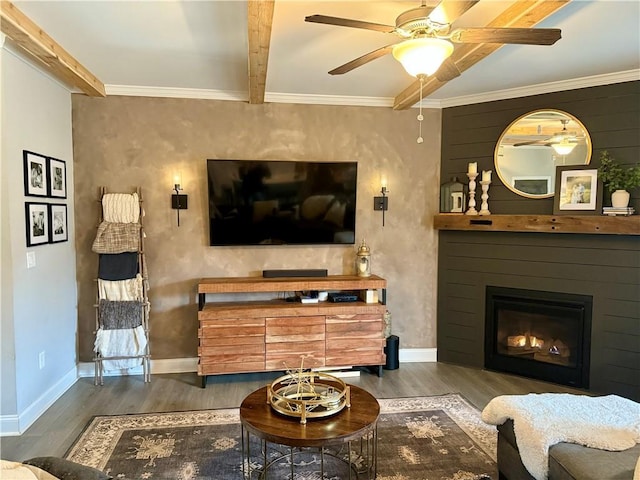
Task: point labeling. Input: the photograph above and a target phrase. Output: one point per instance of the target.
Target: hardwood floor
(55, 431)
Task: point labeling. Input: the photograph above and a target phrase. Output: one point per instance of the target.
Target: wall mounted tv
(256, 202)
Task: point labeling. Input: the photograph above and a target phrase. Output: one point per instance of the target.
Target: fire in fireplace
(537, 334)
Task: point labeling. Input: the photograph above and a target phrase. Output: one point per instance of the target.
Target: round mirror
(531, 148)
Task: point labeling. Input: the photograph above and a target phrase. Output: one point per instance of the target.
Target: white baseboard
(164, 365)
(17, 424)
(186, 365)
(416, 355)
(11, 425)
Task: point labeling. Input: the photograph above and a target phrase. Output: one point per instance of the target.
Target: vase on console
(620, 199)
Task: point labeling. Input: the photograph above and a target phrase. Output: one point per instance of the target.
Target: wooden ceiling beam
(521, 14)
(260, 21)
(30, 38)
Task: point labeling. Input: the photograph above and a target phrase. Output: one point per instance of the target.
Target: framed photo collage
(45, 177)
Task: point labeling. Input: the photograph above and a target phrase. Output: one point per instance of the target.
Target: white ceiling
(199, 48)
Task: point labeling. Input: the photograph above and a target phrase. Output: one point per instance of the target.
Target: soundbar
(314, 272)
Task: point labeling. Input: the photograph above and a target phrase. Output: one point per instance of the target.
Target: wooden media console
(243, 336)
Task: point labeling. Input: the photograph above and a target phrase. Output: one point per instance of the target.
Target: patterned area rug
(422, 438)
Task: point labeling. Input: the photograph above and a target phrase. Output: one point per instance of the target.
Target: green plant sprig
(615, 177)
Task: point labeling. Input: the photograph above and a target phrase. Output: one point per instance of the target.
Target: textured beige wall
(121, 142)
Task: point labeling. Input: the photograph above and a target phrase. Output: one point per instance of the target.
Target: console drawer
(287, 355)
(220, 368)
(355, 340)
(288, 339)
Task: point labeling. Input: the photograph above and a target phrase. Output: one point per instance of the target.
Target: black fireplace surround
(538, 334)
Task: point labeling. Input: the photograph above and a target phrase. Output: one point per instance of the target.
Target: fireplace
(537, 334)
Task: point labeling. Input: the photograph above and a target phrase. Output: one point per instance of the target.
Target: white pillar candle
(486, 175)
(473, 167)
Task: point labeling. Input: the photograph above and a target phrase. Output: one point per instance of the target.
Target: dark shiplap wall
(611, 114)
(604, 266)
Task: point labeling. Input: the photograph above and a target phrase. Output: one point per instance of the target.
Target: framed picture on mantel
(578, 191)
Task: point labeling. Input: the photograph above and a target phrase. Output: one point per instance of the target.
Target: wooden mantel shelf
(597, 224)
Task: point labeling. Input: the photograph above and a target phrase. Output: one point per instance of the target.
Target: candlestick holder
(472, 194)
(484, 208)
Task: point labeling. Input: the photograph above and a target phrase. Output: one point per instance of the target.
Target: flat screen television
(260, 202)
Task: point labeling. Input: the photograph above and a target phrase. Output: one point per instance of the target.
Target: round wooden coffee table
(280, 439)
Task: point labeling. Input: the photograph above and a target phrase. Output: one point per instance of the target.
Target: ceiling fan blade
(346, 22)
(526, 36)
(449, 11)
(447, 71)
(366, 58)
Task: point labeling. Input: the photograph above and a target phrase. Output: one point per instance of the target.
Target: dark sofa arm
(510, 465)
(66, 469)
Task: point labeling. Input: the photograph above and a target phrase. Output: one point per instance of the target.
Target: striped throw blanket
(117, 238)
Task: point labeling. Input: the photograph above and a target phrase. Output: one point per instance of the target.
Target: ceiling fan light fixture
(564, 147)
(422, 55)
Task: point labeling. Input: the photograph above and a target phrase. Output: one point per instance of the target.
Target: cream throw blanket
(118, 343)
(120, 207)
(542, 420)
(121, 290)
(18, 471)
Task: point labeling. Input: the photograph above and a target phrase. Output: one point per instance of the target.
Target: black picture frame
(58, 223)
(56, 178)
(578, 191)
(37, 223)
(35, 174)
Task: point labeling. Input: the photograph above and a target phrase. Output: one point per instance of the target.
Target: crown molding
(343, 100)
(329, 100)
(205, 94)
(174, 92)
(550, 87)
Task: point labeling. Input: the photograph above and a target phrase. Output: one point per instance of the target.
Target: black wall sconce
(178, 201)
(382, 203)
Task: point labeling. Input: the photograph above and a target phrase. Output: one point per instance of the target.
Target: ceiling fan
(563, 142)
(426, 38)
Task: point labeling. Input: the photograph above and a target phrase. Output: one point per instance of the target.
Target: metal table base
(360, 458)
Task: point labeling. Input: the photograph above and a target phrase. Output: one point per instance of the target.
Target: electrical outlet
(31, 259)
(41, 360)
